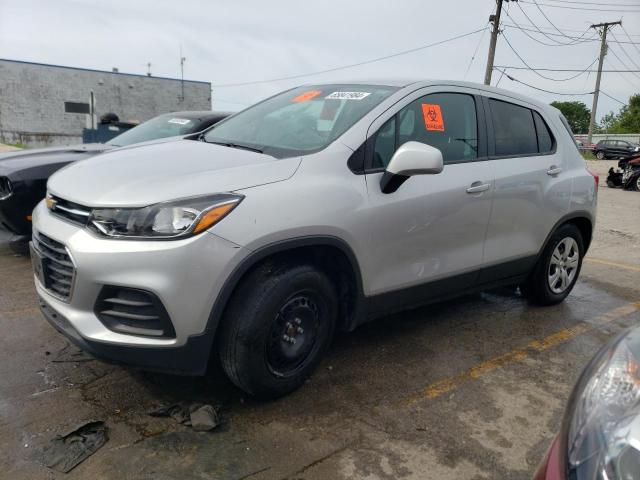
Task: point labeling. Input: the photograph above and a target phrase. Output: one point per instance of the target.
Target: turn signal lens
(213, 216)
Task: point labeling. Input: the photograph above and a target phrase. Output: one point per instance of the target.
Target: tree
(576, 113)
(628, 120)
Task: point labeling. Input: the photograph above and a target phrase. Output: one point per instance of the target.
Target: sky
(229, 42)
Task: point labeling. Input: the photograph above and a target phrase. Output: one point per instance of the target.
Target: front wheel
(600, 155)
(557, 269)
(278, 326)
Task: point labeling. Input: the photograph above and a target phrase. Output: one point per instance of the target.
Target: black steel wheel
(278, 325)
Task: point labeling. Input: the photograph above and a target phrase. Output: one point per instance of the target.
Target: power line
(548, 35)
(596, 3)
(538, 73)
(524, 30)
(626, 53)
(620, 60)
(510, 67)
(474, 53)
(612, 98)
(513, 79)
(553, 24)
(629, 37)
(342, 67)
(581, 8)
(586, 40)
(633, 85)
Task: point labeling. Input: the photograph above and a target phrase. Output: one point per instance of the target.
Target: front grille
(133, 312)
(5, 188)
(57, 267)
(73, 212)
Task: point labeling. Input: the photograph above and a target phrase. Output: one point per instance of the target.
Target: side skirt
(508, 273)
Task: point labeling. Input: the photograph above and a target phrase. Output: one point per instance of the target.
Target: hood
(13, 162)
(144, 175)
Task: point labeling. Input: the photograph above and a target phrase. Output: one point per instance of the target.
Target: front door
(433, 227)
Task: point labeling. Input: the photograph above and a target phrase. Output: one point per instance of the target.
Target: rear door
(532, 186)
(433, 226)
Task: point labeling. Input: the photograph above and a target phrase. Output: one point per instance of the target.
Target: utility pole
(596, 92)
(182, 60)
(495, 21)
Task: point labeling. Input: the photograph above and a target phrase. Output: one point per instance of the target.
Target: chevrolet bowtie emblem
(50, 203)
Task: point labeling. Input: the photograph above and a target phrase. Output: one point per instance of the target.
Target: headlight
(602, 424)
(167, 220)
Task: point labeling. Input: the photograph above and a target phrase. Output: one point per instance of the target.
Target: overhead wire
(582, 8)
(513, 79)
(538, 73)
(342, 67)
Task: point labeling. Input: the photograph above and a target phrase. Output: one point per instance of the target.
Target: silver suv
(313, 211)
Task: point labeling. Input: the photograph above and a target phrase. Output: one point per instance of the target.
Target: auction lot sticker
(347, 95)
(180, 121)
(432, 117)
(308, 95)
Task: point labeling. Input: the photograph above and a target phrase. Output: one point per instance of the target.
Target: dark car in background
(622, 149)
(24, 174)
(600, 434)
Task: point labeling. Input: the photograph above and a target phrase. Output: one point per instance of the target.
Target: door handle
(553, 170)
(477, 187)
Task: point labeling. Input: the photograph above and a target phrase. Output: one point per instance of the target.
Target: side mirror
(412, 158)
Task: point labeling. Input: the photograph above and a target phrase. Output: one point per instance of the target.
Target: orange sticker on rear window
(432, 117)
(303, 97)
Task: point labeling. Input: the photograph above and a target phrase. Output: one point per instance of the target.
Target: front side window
(446, 121)
(514, 130)
(299, 121)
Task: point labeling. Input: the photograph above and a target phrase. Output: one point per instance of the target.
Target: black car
(24, 174)
(615, 149)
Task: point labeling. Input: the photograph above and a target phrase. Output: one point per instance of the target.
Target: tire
(636, 183)
(540, 288)
(600, 155)
(278, 325)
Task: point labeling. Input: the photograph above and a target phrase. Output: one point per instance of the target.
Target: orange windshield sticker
(308, 95)
(432, 117)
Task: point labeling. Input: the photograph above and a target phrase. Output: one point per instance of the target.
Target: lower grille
(133, 312)
(57, 267)
(5, 188)
(73, 212)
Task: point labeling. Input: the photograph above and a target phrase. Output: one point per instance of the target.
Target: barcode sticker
(180, 121)
(347, 95)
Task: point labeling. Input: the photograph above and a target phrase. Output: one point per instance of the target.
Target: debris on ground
(201, 418)
(66, 451)
(72, 354)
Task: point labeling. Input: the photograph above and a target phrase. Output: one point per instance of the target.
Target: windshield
(158, 127)
(299, 121)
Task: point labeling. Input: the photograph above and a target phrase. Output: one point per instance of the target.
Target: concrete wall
(32, 100)
(629, 137)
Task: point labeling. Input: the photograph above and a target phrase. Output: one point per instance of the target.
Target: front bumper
(186, 276)
(189, 359)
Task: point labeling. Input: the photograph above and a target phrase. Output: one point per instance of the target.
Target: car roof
(421, 83)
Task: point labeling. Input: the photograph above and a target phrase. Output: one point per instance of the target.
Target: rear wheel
(600, 155)
(557, 269)
(279, 324)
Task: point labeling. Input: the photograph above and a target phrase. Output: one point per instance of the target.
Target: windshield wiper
(237, 145)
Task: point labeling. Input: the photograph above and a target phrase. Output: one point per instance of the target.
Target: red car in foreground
(600, 434)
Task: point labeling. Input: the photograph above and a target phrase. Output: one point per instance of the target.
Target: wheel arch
(583, 220)
(345, 271)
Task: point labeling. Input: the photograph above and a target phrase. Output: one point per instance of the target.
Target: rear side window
(546, 141)
(514, 130)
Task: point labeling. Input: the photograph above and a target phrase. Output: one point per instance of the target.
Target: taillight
(596, 177)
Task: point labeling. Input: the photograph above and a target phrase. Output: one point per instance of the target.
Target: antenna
(149, 69)
(182, 60)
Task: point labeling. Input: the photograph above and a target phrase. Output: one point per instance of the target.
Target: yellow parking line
(613, 264)
(517, 355)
